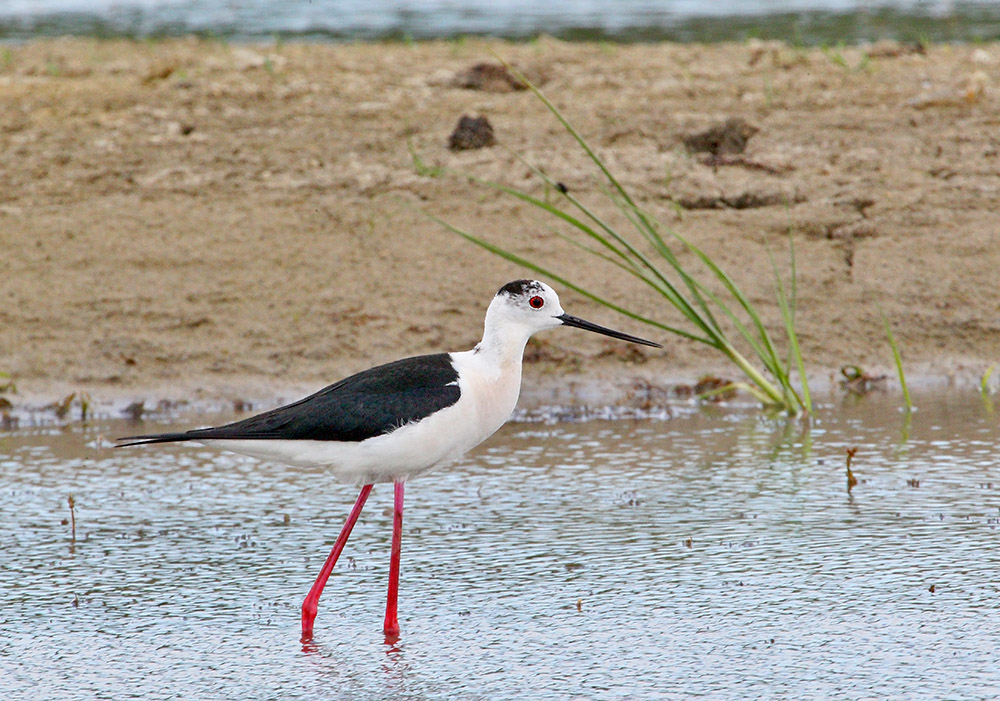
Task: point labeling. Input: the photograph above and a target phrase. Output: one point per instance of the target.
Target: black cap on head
(520, 287)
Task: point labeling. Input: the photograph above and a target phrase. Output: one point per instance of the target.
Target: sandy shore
(189, 218)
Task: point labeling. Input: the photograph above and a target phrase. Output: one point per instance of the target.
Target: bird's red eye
(536, 302)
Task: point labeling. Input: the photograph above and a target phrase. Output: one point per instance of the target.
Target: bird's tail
(153, 438)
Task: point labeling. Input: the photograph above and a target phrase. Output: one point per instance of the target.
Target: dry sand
(194, 219)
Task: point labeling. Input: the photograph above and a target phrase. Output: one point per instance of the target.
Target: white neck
(503, 341)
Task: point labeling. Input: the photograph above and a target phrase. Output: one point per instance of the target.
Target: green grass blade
(561, 214)
(764, 347)
(788, 316)
(420, 166)
(899, 363)
(793, 337)
(567, 126)
(630, 254)
(984, 381)
(984, 389)
(618, 264)
(659, 245)
(665, 287)
(514, 258)
(770, 353)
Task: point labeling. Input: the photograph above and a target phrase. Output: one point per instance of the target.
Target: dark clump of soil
(715, 161)
(646, 395)
(626, 353)
(471, 133)
(853, 230)
(747, 199)
(730, 137)
(489, 77)
(709, 388)
(134, 411)
(714, 389)
(894, 49)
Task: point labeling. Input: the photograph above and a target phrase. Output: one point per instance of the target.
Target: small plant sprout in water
(858, 381)
(72, 521)
(898, 360)
(984, 389)
(7, 385)
(715, 310)
(852, 481)
(62, 408)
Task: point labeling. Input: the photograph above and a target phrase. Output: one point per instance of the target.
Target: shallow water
(716, 552)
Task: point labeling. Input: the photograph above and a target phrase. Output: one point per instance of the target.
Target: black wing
(373, 402)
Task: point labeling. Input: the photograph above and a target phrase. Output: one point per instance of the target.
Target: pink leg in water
(391, 627)
(311, 603)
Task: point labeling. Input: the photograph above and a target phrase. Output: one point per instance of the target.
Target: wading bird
(399, 420)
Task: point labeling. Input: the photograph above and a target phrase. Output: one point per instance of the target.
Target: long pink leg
(311, 603)
(391, 623)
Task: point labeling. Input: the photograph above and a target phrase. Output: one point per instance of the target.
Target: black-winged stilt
(399, 420)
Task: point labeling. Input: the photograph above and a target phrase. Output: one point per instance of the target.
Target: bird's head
(532, 306)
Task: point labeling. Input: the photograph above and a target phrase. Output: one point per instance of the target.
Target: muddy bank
(189, 218)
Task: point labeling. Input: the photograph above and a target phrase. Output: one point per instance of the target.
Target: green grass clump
(726, 321)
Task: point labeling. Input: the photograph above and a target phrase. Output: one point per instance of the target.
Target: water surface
(808, 21)
(713, 552)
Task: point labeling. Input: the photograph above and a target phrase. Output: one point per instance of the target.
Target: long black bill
(588, 326)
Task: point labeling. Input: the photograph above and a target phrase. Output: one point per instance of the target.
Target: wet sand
(194, 219)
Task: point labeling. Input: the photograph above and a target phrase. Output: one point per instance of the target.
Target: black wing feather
(371, 403)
